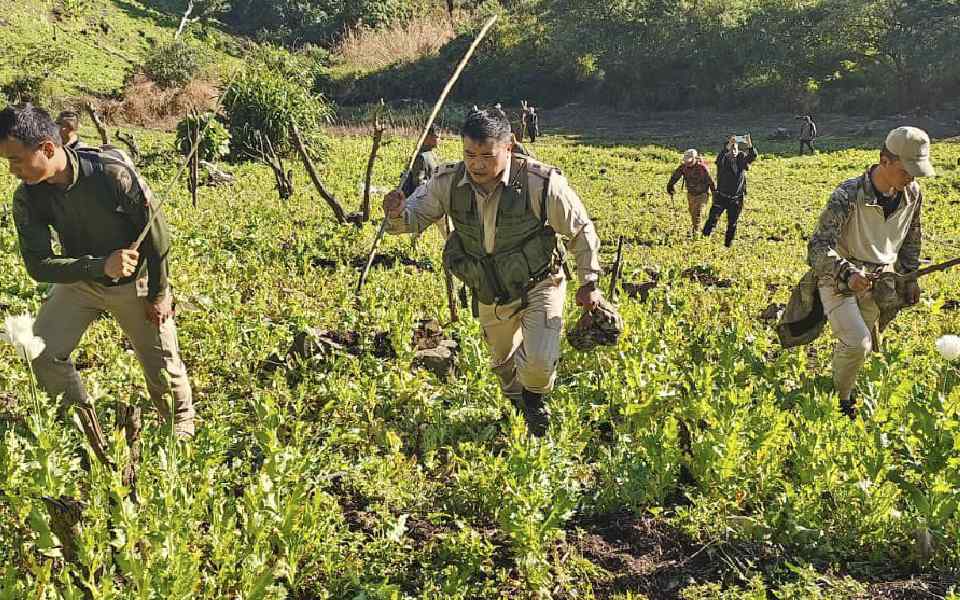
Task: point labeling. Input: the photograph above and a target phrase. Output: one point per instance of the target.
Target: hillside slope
(104, 40)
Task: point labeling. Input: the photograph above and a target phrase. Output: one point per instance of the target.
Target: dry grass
(146, 104)
(370, 49)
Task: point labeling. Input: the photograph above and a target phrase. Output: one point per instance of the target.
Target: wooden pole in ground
(423, 136)
(617, 270)
(377, 138)
(448, 282)
(195, 162)
(332, 202)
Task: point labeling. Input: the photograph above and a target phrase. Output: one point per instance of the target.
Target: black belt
(729, 197)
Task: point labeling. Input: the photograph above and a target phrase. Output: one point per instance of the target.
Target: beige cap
(690, 156)
(912, 145)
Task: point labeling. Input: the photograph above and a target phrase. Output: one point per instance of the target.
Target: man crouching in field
(509, 212)
(98, 204)
(871, 224)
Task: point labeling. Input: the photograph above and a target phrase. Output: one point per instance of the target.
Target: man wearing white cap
(696, 177)
(871, 224)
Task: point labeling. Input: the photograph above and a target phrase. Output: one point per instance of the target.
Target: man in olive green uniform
(509, 214)
(870, 224)
(98, 204)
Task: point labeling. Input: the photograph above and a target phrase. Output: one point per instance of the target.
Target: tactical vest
(526, 249)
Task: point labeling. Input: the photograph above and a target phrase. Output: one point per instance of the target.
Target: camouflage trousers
(695, 204)
(525, 345)
(853, 319)
(62, 321)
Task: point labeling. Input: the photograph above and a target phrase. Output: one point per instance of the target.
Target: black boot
(534, 413)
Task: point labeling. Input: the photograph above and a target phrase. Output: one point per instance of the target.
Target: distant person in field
(427, 161)
(69, 123)
(531, 121)
(808, 133)
(732, 167)
(696, 177)
(511, 215)
(98, 204)
(871, 224)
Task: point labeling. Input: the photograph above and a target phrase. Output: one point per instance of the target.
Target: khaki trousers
(852, 319)
(525, 347)
(695, 203)
(62, 321)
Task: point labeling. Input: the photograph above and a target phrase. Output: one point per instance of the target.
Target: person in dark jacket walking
(808, 133)
(732, 166)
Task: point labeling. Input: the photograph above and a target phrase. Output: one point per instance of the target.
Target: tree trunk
(98, 123)
(184, 20)
(377, 137)
(334, 204)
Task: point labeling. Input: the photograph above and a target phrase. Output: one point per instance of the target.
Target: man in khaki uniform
(509, 213)
(871, 224)
(98, 204)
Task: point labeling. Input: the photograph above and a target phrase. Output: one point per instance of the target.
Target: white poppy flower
(949, 347)
(18, 331)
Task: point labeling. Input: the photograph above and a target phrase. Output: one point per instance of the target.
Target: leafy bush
(174, 64)
(268, 102)
(674, 55)
(214, 140)
(28, 88)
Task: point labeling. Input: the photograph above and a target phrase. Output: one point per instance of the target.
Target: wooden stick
(98, 123)
(617, 270)
(166, 193)
(131, 143)
(423, 136)
(332, 202)
(448, 282)
(195, 163)
(377, 137)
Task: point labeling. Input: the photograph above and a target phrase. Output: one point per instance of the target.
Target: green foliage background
(862, 56)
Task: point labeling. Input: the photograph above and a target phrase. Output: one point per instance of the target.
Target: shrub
(29, 88)
(214, 140)
(173, 64)
(268, 102)
(36, 66)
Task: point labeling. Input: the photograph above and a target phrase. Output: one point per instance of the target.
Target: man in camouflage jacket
(871, 224)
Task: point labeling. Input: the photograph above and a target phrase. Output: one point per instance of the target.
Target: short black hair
(487, 124)
(29, 124)
(68, 118)
(886, 153)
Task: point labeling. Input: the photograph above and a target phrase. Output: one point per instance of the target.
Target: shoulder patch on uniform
(542, 170)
